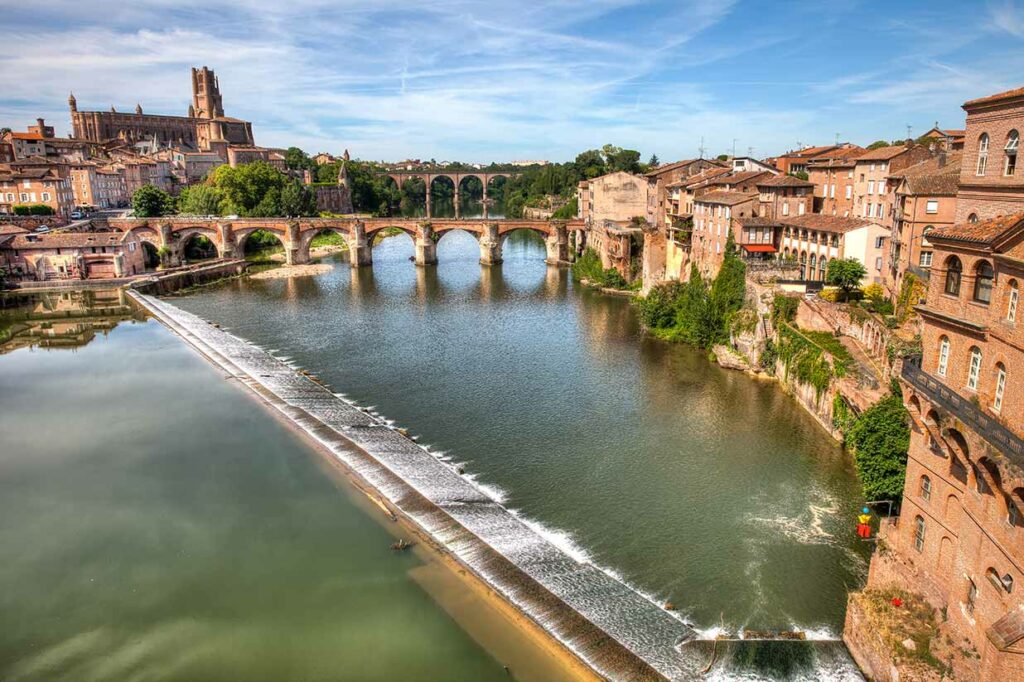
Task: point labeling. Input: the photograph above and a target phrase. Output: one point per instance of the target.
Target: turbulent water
(695, 485)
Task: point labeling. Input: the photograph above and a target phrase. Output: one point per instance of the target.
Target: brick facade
(991, 182)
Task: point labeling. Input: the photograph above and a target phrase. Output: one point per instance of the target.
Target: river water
(168, 513)
(696, 485)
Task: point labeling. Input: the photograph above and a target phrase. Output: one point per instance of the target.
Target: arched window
(943, 356)
(974, 371)
(982, 154)
(954, 271)
(1003, 583)
(919, 533)
(821, 267)
(997, 398)
(973, 218)
(1010, 164)
(926, 488)
(814, 266)
(983, 279)
(1013, 299)
(1012, 513)
(972, 596)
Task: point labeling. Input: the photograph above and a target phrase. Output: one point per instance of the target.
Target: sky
(502, 80)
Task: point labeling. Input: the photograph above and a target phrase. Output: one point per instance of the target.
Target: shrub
(830, 294)
(879, 440)
(658, 309)
(32, 209)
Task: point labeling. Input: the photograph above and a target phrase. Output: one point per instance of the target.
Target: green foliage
(878, 144)
(769, 356)
(784, 308)
(801, 175)
(845, 273)
(258, 190)
(842, 361)
(912, 291)
(200, 200)
(588, 267)
(879, 440)
(804, 358)
(32, 209)
(151, 202)
(658, 309)
(843, 418)
(567, 211)
(653, 162)
(296, 159)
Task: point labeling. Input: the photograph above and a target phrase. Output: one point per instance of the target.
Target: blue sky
(490, 81)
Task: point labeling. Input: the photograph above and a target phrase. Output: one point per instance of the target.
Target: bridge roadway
(171, 234)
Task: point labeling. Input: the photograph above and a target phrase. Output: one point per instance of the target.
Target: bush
(879, 440)
(658, 309)
(588, 267)
(32, 209)
(149, 201)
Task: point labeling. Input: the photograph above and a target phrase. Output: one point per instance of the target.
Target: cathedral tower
(206, 94)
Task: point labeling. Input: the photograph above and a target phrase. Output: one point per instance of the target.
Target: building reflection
(62, 319)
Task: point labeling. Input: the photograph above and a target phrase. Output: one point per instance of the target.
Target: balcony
(1000, 437)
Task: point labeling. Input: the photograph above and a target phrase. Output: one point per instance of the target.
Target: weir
(613, 628)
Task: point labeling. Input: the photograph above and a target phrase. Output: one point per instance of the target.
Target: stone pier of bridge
(490, 245)
(426, 245)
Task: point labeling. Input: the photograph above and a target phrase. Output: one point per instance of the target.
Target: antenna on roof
(734, 147)
(909, 136)
(837, 139)
(701, 147)
(750, 152)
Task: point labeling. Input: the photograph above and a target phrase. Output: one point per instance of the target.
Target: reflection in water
(61, 319)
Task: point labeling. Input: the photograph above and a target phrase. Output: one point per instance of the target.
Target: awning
(759, 248)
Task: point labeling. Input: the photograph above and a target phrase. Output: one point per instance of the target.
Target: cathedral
(206, 128)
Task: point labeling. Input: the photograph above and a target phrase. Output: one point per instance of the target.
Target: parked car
(77, 215)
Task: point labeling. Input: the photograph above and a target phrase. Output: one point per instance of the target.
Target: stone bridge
(400, 177)
(228, 235)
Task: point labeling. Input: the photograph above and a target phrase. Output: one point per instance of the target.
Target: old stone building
(205, 128)
(833, 179)
(924, 200)
(991, 183)
(72, 255)
(716, 215)
(959, 538)
(872, 195)
(45, 184)
(783, 196)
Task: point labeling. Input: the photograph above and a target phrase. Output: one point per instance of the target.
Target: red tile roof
(784, 181)
(737, 178)
(982, 232)
(928, 177)
(67, 240)
(726, 198)
(883, 153)
(827, 223)
(1009, 94)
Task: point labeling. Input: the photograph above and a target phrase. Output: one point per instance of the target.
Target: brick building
(43, 184)
(784, 195)
(959, 537)
(99, 186)
(872, 195)
(924, 200)
(73, 255)
(991, 183)
(833, 179)
(716, 215)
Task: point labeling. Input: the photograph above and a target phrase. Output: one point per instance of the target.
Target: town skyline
(456, 81)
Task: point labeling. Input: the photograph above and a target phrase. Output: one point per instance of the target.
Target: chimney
(942, 157)
(41, 123)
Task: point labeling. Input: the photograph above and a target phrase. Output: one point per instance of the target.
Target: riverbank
(512, 562)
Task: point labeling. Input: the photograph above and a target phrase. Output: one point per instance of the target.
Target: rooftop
(737, 178)
(784, 181)
(826, 223)
(883, 153)
(929, 177)
(982, 232)
(67, 240)
(1009, 94)
(726, 198)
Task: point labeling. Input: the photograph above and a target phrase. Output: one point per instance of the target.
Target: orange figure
(864, 524)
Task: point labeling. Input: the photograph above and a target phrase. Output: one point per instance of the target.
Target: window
(932, 206)
(785, 209)
(975, 370)
(878, 263)
(1010, 164)
(871, 186)
(919, 533)
(878, 210)
(926, 488)
(1013, 299)
(867, 210)
(879, 242)
(849, 191)
(997, 399)
(943, 356)
(926, 259)
(800, 209)
(24, 197)
(1012, 513)
(973, 218)
(832, 192)
(954, 270)
(46, 196)
(983, 278)
(972, 596)
(982, 154)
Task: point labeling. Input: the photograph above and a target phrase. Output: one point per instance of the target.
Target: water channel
(698, 486)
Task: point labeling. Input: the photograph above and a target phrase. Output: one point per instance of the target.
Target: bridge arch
(202, 242)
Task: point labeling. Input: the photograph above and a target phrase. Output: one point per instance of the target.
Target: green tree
(845, 273)
(878, 144)
(200, 200)
(297, 200)
(150, 202)
(880, 438)
(653, 162)
(800, 174)
(589, 164)
(296, 159)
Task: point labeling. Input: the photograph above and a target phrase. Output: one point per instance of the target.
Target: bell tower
(206, 94)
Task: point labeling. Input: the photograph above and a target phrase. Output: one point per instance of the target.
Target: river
(697, 485)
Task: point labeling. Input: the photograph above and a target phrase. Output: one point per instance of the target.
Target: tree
(845, 273)
(200, 200)
(653, 162)
(879, 439)
(800, 174)
(589, 164)
(297, 200)
(878, 144)
(723, 157)
(150, 202)
(296, 159)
